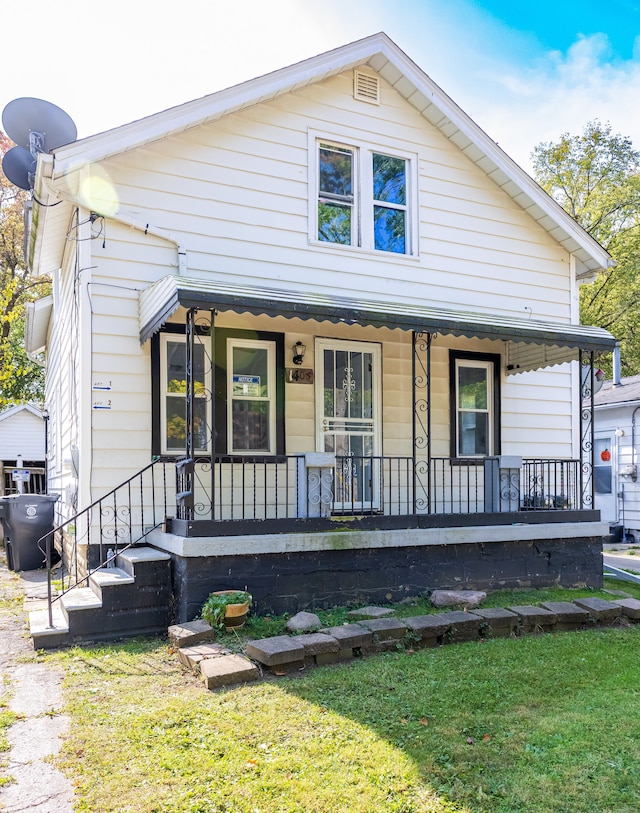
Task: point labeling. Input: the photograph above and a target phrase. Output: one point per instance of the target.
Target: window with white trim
(474, 393)
(173, 389)
(251, 388)
(364, 198)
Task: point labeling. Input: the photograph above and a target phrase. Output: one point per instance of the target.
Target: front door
(348, 410)
(604, 476)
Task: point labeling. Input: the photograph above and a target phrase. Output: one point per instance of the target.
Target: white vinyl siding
(234, 195)
(239, 189)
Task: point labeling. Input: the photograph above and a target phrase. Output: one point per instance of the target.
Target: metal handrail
(120, 524)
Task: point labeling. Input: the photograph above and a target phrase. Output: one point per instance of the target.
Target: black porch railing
(288, 487)
(231, 488)
(124, 517)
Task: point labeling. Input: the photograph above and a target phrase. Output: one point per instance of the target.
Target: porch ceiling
(554, 342)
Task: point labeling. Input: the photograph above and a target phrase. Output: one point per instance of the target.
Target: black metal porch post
(189, 402)
(421, 373)
(587, 427)
(212, 352)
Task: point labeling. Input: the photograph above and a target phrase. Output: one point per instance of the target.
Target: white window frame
(270, 347)
(178, 338)
(362, 226)
(489, 366)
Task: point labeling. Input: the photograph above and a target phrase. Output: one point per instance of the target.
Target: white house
(345, 318)
(616, 438)
(22, 444)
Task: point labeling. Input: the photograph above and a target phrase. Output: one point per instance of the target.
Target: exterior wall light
(299, 350)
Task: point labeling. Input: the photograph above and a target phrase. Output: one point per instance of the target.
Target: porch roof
(556, 342)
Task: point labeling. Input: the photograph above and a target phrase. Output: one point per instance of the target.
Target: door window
(602, 466)
(348, 408)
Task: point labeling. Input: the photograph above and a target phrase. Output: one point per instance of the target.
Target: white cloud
(561, 93)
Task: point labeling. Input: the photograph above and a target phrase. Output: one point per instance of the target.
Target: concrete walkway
(32, 690)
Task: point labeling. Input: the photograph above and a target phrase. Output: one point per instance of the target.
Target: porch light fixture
(298, 352)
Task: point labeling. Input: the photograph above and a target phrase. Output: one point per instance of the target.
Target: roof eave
(49, 223)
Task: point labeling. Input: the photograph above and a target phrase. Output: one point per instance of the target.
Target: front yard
(542, 723)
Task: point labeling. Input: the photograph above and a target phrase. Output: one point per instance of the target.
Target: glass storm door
(604, 476)
(348, 406)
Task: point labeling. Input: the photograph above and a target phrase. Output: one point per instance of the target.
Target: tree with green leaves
(595, 177)
(21, 380)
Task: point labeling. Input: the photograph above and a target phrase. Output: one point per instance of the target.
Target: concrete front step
(132, 599)
(45, 636)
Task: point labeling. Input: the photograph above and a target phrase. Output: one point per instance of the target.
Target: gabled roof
(15, 410)
(613, 395)
(383, 56)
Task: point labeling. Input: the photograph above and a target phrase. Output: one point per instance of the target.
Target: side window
(173, 388)
(251, 415)
(474, 398)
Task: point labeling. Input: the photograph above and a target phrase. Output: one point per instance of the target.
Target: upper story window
(336, 195)
(364, 198)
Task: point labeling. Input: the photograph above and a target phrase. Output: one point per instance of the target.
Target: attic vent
(366, 87)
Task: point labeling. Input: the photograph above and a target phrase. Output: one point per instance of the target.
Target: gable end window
(363, 198)
(475, 404)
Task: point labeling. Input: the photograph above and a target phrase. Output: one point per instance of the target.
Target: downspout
(633, 436)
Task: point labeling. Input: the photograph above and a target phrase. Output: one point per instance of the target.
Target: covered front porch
(234, 472)
(351, 515)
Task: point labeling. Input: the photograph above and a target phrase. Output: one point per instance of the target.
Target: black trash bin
(25, 519)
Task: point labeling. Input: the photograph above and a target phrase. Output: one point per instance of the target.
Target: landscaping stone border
(283, 654)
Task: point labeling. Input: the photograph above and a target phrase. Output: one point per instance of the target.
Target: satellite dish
(37, 125)
(19, 166)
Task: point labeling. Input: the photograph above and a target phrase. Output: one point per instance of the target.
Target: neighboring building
(352, 314)
(22, 446)
(616, 438)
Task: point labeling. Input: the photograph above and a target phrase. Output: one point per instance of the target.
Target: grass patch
(7, 718)
(12, 594)
(543, 723)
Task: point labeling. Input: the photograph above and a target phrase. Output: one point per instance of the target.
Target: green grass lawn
(529, 725)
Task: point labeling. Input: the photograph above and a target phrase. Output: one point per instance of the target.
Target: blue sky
(525, 72)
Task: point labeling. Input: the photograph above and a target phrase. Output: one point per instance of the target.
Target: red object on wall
(605, 455)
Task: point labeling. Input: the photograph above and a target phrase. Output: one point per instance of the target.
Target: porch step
(44, 636)
(119, 602)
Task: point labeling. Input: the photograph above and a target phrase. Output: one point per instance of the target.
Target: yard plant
(215, 607)
(543, 723)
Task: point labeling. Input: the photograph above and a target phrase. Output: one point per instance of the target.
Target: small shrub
(214, 608)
